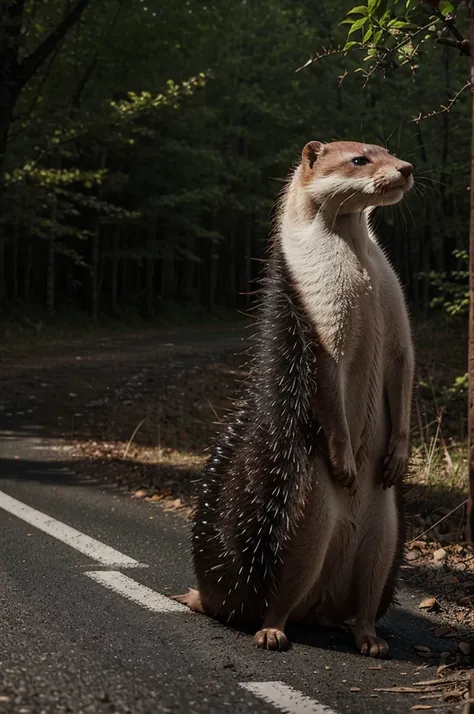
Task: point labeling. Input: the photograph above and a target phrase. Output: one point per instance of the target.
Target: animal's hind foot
(372, 646)
(271, 639)
(192, 599)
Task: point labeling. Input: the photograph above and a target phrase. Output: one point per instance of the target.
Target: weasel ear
(311, 152)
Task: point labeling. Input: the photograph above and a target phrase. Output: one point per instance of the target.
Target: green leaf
(446, 7)
(376, 37)
(371, 52)
(398, 24)
(382, 21)
(359, 10)
(373, 5)
(357, 25)
(350, 44)
(367, 35)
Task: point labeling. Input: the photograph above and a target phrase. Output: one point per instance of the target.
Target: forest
(143, 145)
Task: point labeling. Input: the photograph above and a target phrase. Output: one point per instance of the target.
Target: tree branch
(11, 17)
(34, 61)
(449, 21)
(444, 107)
(463, 46)
(90, 69)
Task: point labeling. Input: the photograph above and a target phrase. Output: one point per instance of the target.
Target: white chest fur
(329, 271)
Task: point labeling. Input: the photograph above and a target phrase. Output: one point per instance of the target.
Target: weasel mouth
(398, 186)
(390, 190)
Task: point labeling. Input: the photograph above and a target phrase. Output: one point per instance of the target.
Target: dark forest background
(143, 144)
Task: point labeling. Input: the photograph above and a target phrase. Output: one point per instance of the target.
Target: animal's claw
(270, 638)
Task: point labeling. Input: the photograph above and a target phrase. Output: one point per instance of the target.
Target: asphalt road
(84, 628)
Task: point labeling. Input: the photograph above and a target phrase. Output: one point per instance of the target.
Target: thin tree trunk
(212, 278)
(3, 291)
(51, 268)
(470, 452)
(94, 272)
(124, 282)
(248, 265)
(150, 267)
(115, 269)
(232, 287)
(95, 289)
(16, 250)
(28, 267)
(51, 278)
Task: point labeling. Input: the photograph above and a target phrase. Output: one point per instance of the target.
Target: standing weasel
(300, 513)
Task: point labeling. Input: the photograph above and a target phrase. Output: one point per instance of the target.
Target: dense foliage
(146, 145)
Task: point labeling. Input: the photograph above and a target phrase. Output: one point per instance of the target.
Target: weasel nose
(405, 169)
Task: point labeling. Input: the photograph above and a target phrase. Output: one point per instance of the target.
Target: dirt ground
(141, 411)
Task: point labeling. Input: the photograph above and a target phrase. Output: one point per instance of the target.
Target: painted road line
(285, 698)
(91, 547)
(130, 589)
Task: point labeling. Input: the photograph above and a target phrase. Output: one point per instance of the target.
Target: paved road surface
(86, 627)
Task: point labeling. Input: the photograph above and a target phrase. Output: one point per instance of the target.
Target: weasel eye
(360, 161)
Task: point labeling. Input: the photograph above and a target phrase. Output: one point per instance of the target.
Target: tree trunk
(51, 278)
(115, 270)
(3, 291)
(470, 450)
(27, 275)
(150, 267)
(16, 250)
(124, 282)
(94, 275)
(212, 278)
(95, 289)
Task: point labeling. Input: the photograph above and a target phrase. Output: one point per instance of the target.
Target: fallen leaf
(429, 603)
(465, 647)
(141, 493)
(422, 706)
(422, 650)
(441, 631)
(439, 555)
(355, 689)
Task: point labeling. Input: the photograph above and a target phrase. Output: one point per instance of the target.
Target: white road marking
(285, 698)
(129, 588)
(70, 536)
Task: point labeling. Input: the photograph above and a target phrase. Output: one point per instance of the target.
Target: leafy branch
(391, 34)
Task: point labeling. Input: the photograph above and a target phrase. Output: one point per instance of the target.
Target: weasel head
(349, 177)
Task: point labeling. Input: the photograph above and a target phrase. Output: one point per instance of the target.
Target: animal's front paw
(372, 646)
(343, 465)
(396, 461)
(271, 639)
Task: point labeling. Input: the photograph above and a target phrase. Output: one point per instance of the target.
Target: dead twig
(444, 107)
(438, 522)
(132, 438)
